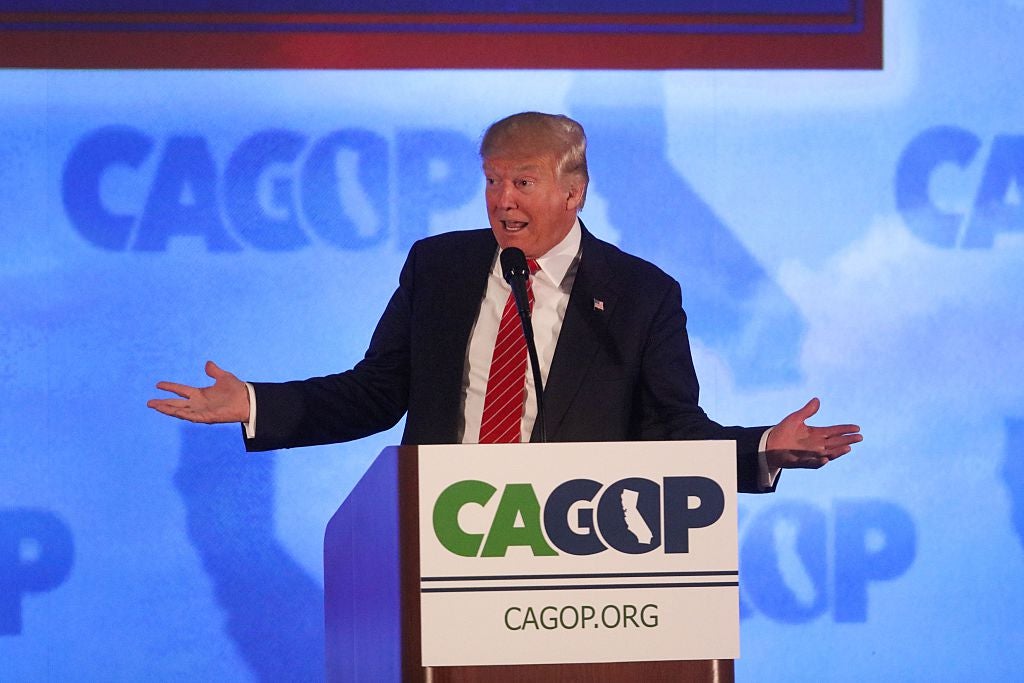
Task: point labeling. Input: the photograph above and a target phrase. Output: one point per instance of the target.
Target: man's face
(529, 205)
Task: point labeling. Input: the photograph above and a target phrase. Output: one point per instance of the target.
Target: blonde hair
(532, 133)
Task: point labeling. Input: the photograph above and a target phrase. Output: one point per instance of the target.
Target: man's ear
(574, 196)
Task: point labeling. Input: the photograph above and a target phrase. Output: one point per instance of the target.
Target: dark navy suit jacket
(621, 371)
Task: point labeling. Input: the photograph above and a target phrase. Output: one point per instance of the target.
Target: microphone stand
(537, 382)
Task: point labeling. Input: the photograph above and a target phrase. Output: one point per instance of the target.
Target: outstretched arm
(793, 443)
(227, 400)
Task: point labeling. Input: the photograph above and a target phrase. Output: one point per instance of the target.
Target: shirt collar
(556, 262)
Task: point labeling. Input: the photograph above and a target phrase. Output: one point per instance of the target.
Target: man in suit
(611, 338)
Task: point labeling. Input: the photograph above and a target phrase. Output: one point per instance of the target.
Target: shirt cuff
(250, 426)
(765, 476)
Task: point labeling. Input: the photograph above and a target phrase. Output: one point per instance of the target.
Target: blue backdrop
(853, 235)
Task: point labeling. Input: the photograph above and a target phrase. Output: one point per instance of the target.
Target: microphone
(516, 274)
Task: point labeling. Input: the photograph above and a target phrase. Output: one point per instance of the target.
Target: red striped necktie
(506, 382)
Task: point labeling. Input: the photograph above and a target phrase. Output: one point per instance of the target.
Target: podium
(396, 586)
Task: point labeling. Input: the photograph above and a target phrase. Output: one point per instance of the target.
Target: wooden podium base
(701, 671)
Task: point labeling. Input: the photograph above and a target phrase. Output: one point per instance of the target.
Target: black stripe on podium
(619, 575)
(596, 586)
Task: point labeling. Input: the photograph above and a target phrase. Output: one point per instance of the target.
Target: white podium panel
(587, 552)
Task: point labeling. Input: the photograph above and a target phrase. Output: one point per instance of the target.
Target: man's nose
(506, 196)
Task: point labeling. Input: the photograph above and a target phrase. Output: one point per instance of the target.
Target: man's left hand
(793, 443)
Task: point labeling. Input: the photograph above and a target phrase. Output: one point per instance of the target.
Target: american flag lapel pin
(598, 305)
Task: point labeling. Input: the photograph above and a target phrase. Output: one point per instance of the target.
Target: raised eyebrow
(517, 178)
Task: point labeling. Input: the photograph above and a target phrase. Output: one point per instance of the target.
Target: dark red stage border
(851, 40)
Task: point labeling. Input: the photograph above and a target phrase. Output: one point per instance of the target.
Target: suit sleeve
(669, 392)
(371, 397)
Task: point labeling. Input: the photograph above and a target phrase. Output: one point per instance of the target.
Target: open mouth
(514, 226)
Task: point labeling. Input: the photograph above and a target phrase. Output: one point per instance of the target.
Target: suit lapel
(466, 285)
(591, 304)
(456, 312)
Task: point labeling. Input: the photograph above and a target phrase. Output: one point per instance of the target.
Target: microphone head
(513, 264)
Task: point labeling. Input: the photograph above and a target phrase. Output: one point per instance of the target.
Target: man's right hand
(226, 401)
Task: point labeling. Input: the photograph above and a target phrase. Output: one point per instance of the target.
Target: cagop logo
(580, 516)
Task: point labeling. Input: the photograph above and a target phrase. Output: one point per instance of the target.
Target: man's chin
(507, 239)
